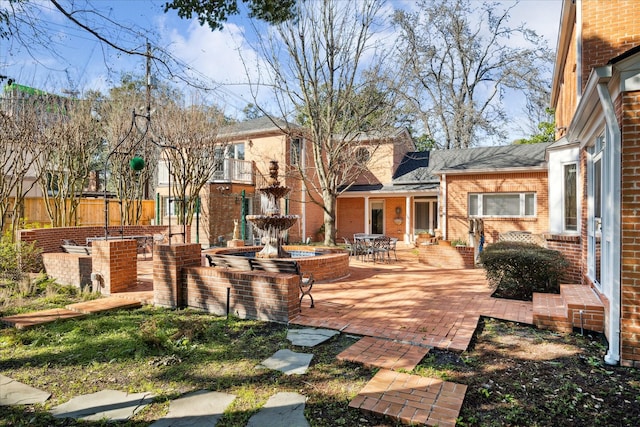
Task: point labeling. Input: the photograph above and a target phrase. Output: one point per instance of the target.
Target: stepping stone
(381, 353)
(28, 320)
(15, 393)
(282, 409)
(411, 399)
(309, 337)
(288, 362)
(112, 405)
(195, 409)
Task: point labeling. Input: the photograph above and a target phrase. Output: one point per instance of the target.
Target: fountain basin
(324, 263)
(279, 222)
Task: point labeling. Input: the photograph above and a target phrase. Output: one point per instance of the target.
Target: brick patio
(410, 302)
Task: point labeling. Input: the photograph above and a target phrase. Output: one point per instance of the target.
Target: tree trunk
(329, 218)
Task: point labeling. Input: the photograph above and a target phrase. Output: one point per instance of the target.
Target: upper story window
(296, 151)
(236, 151)
(502, 204)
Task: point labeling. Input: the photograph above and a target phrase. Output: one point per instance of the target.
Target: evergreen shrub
(516, 270)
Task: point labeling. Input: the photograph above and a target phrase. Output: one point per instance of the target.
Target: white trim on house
(595, 112)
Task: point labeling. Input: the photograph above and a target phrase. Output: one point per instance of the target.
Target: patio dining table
(365, 245)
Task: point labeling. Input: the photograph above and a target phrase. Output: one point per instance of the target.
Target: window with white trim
(570, 197)
(502, 204)
(296, 151)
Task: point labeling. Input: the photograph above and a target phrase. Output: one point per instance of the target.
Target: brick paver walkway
(412, 399)
(372, 352)
(409, 302)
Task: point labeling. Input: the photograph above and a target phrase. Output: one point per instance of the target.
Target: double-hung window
(502, 204)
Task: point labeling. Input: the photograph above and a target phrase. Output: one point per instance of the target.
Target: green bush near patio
(18, 258)
(516, 270)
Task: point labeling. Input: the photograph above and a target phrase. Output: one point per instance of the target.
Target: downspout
(613, 225)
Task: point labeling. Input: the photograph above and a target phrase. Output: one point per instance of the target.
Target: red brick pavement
(412, 399)
(409, 302)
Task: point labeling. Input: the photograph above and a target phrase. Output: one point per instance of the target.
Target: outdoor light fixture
(398, 218)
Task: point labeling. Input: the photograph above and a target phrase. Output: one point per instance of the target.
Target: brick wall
(571, 248)
(630, 226)
(117, 262)
(331, 265)
(68, 269)
(252, 295)
(350, 217)
(609, 29)
(568, 87)
(450, 257)
(50, 239)
(168, 275)
(459, 186)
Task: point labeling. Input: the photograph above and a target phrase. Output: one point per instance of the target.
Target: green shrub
(517, 270)
(17, 258)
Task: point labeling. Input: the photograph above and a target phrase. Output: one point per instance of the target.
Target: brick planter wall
(168, 275)
(68, 269)
(331, 265)
(50, 239)
(253, 295)
(117, 262)
(450, 257)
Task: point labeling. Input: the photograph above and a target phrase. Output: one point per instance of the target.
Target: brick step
(577, 306)
(550, 312)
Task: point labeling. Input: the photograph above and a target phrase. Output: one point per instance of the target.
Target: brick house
(593, 166)
(243, 168)
(442, 190)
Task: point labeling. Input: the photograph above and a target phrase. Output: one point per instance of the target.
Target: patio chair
(392, 248)
(362, 245)
(380, 248)
(349, 246)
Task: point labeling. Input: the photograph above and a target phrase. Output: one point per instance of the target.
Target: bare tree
(188, 137)
(460, 61)
(20, 137)
(73, 142)
(325, 68)
(125, 122)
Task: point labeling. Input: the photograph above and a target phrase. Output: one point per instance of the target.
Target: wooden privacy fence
(90, 212)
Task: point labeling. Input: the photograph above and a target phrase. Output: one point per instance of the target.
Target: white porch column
(407, 219)
(367, 226)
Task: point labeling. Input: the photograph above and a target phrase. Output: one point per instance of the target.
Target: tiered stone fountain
(271, 225)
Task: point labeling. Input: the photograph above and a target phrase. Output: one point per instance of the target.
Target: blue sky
(82, 63)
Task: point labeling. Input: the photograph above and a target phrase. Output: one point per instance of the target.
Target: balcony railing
(234, 170)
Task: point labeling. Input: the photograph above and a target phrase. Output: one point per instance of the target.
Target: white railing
(234, 170)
